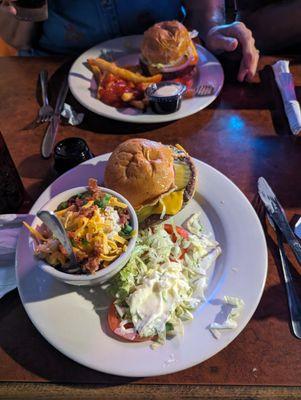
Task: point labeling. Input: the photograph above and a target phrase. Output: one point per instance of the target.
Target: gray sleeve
(18, 34)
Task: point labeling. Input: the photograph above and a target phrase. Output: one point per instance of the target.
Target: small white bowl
(102, 275)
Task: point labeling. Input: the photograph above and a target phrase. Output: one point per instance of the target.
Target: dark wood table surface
(244, 134)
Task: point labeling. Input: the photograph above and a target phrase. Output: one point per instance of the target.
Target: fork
(46, 111)
(294, 303)
(204, 90)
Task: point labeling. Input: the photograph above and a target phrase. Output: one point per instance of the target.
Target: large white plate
(74, 319)
(125, 50)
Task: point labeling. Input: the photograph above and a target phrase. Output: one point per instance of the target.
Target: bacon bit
(63, 250)
(80, 255)
(93, 186)
(91, 265)
(79, 202)
(44, 231)
(94, 189)
(124, 216)
(88, 212)
(48, 247)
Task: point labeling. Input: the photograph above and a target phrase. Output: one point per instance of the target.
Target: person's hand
(7, 6)
(227, 37)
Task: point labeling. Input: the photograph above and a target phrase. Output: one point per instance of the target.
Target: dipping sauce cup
(165, 97)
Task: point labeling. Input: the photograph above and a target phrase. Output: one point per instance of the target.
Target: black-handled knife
(50, 134)
(277, 213)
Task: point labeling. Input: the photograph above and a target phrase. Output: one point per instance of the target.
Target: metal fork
(204, 90)
(294, 303)
(46, 111)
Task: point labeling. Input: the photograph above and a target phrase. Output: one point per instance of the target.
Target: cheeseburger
(158, 180)
(167, 49)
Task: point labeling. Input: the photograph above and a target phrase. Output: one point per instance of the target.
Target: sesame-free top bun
(141, 170)
(167, 49)
(165, 42)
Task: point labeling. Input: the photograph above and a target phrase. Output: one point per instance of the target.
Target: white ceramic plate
(125, 51)
(74, 319)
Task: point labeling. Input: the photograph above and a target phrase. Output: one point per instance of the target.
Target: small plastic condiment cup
(165, 104)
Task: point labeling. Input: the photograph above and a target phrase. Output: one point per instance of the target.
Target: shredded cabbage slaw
(164, 281)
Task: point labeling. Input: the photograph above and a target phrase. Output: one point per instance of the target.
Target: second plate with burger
(158, 74)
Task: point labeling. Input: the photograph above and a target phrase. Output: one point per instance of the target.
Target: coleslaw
(163, 282)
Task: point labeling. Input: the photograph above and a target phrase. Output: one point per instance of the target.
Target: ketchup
(112, 89)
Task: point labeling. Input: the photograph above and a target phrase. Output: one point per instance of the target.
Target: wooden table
(244, 134)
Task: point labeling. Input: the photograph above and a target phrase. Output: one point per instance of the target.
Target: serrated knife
(277, 214)
(50, 134)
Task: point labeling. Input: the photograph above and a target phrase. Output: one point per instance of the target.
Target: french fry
(128, 96)
(96, 71)
(140, 104)
(122, 72)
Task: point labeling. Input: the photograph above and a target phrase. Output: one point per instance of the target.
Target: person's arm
(208, 17)
(17, 34)
(203, 15)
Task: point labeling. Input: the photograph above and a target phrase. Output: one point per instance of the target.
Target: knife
(50, 134)
(277, 214)
(294, 303)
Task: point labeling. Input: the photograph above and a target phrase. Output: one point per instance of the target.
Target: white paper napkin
(10, 225)
(285, 83)
(71, 115)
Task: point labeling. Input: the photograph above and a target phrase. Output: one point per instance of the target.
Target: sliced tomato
(114, 324)
(181, 231)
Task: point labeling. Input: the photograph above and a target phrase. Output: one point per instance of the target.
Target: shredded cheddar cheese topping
(97, 226)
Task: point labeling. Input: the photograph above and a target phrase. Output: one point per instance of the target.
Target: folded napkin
(10, 225)
(285, 83)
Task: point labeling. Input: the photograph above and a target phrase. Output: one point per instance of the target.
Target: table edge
(35, 391)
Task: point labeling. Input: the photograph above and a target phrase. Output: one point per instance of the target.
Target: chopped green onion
(103, 202)
(62, 205)
(127, 229)
(83, 195)
(106, 199)
(98, 203)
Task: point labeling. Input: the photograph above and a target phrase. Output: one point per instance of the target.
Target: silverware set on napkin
(279, 222)
(285, 83)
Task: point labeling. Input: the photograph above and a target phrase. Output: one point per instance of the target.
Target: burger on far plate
(157, 179)
(167, 49)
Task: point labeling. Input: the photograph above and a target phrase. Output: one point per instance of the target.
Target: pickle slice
(182, 174)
